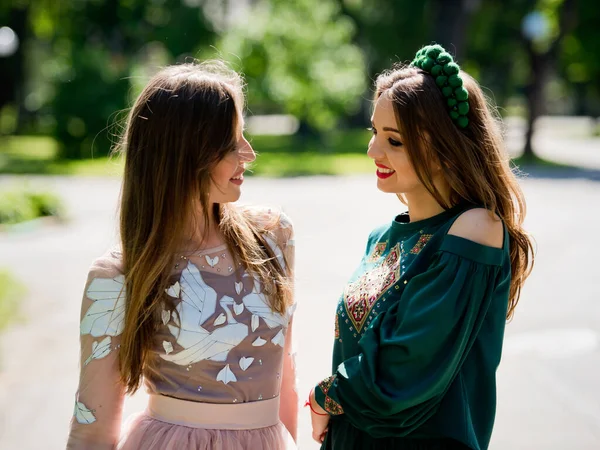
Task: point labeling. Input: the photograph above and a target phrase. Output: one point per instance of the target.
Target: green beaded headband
(434, 59)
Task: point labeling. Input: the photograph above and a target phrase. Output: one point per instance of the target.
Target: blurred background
(69, 70)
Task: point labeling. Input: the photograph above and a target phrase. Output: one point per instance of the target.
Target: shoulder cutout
(480, 226)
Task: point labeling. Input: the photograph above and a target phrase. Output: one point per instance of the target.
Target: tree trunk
(581, 102)
(535, 98)
(540, 65)
(451, 23)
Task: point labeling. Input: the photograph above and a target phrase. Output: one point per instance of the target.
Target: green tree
(542, 53)
(98, 43)
(580, 58)
(12, 67)
(513, 48)
(391, 31)
(298, 57)
(493, 52)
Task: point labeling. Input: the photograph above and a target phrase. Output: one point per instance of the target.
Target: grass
(278, 156)
(10, 293)
(310, 163)
(37, 155)
(345, 142)
(538, 162)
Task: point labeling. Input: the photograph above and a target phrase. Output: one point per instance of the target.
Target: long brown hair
(182, 124)
(473, 159)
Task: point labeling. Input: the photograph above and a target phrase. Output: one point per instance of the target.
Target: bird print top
(219, 342)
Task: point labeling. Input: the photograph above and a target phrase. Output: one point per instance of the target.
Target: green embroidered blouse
(418, 335)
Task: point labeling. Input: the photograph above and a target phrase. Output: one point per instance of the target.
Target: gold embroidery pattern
(326, 384)
(377, 252)
(360, 296)
(331, 406)
(337, 327)
(423, 240)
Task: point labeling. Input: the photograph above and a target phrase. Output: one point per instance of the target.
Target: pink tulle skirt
(167, 426)
(143, 432)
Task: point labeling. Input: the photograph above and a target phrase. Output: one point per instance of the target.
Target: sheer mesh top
(218, 342)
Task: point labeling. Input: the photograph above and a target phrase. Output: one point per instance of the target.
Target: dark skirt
(344, 436)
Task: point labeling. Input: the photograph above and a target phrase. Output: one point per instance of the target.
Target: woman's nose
(247, 153)
(373, 150)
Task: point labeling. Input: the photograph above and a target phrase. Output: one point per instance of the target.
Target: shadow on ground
(558, 172)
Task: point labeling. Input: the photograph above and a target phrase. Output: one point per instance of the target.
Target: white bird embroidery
(198, 304)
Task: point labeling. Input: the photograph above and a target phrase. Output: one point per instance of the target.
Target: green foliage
(580, 59)
(390, 30)
(10, 293)
(344, 141)
(278, 156)
(278, 165)
(39, 155)
(46, 204)
(15, 207)
(93, 48)
(298, 57)
(85, 60)
(495, 51)
(20, 205)
(82, 119)
(497, 57)
(26, 154)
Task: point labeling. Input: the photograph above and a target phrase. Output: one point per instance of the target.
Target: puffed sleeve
(98, 407)
(411, 353)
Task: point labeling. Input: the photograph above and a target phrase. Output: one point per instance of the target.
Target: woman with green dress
(420, 325)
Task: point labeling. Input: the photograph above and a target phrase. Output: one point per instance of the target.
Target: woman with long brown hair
(419, 328)
(197, 302)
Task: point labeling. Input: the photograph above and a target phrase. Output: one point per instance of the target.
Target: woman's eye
(372, 130)
(394, 142)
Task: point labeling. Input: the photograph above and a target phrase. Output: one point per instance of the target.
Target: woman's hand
(319, 419)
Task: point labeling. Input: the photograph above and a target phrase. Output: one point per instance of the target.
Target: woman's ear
(436, 166)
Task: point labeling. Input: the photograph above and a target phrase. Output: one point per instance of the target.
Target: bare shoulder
(481, 226)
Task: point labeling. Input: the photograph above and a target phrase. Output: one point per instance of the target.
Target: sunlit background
(69, 69)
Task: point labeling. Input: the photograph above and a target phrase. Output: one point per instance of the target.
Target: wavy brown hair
(182, 124)
(473, 160)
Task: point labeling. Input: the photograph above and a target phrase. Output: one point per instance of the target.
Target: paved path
(548, 381)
